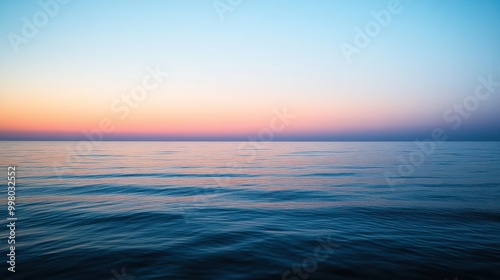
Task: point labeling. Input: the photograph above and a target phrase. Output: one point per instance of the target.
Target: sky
(233, 70)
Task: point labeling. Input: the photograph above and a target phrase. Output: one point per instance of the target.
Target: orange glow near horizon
(164, 116)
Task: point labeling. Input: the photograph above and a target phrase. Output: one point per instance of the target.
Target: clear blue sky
(230, 73)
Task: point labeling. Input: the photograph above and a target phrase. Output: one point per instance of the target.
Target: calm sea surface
(283, 210)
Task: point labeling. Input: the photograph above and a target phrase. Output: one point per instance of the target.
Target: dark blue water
(205, 210)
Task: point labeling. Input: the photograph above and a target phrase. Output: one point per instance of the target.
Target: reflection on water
(206, 210)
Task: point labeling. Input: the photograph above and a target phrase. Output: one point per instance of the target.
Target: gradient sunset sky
(230, 74)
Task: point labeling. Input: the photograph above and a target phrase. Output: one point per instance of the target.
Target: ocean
(239, 210)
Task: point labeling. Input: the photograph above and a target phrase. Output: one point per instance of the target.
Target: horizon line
(245, 140)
